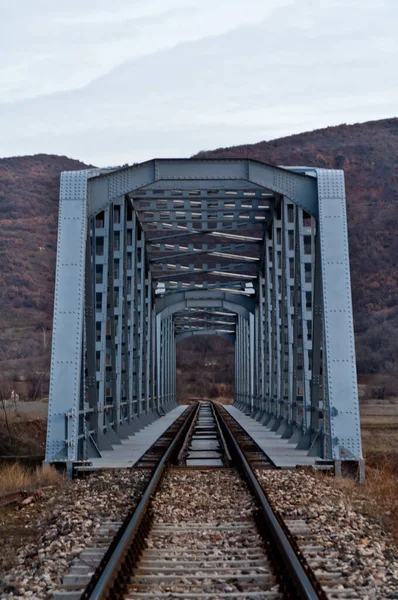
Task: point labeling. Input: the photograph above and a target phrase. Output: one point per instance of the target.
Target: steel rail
(247, 434)
(300, 584)
(228, 456)
(103, 587)
(183, 450)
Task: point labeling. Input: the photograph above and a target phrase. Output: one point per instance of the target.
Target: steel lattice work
(156, 252)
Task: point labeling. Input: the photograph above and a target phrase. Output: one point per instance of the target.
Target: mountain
(29, 188)
(368, 153)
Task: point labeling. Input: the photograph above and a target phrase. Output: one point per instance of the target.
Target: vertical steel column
(262, 340)
(111, 405)
(245, 363)
(305, 233)
(242, 374)
(154, 360)
(102, 287)
(235, 390)
(163, 363)
(174, 364)
(251, 360)
(288, 312)
(257, 366)
(128, 249)
(283, 313)
(91, 342)
(141, 296)
(317, 345)
(238, 371)
(270, 329)
(343, 438)
(124, 312)
(99, 268)
(118, 253)
(148, 350)
(66, 354)
(276, 321)
(297, 334)
(136, 319)
(241, 399)
(166, 360)
(159, 361)
(171, 355)
(132, 274)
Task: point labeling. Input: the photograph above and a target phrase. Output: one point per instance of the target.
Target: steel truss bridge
(153, 253)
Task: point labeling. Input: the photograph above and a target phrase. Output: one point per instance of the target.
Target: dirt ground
(27, 424)
(23, 429)
(379, 427)
(25, 435)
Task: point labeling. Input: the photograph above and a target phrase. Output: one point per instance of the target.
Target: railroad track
(204, 527)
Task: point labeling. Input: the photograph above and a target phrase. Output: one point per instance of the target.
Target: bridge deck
(283, 454)
(127, 453)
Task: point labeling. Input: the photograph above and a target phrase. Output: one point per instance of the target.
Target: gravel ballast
(69, 519)
(204, 541)
(354, 544)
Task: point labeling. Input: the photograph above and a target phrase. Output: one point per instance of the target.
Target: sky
(120, 82)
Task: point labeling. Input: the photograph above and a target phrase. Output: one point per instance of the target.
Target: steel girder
(152, 254)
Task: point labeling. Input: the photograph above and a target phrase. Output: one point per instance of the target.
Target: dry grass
(377, 497)
(16, 477)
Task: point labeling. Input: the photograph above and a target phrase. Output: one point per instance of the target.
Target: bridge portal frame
(132, 331)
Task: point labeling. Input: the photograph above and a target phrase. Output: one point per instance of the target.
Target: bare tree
(3, 403)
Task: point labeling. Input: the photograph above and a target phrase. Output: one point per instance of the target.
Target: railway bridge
(153, 253)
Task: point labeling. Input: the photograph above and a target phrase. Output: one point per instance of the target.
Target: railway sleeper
(184, 555)
(271, 595)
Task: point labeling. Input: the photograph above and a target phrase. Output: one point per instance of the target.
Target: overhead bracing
(151, 254)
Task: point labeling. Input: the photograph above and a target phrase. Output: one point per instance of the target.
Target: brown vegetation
(205, 368)
(17, 477)
(377, 497)
(368, 153)
(23, 429)
(29, 189)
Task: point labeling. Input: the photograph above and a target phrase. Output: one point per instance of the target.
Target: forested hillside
(367, 152)
(29, 188)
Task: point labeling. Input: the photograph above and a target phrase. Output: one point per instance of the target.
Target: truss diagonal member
(216, 253)
(212, 233)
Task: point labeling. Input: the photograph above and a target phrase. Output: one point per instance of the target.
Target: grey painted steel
(68, 325)
(341, 390)
(152, 254)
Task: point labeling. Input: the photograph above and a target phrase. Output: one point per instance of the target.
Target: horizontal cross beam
(209, 246)
(217, 227)
(221, 270)
(204, 204)
(210, 233)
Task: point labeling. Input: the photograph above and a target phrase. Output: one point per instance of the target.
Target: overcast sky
(124, 81)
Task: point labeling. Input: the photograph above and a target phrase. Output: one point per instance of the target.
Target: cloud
(288, 71)
(59, 46)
